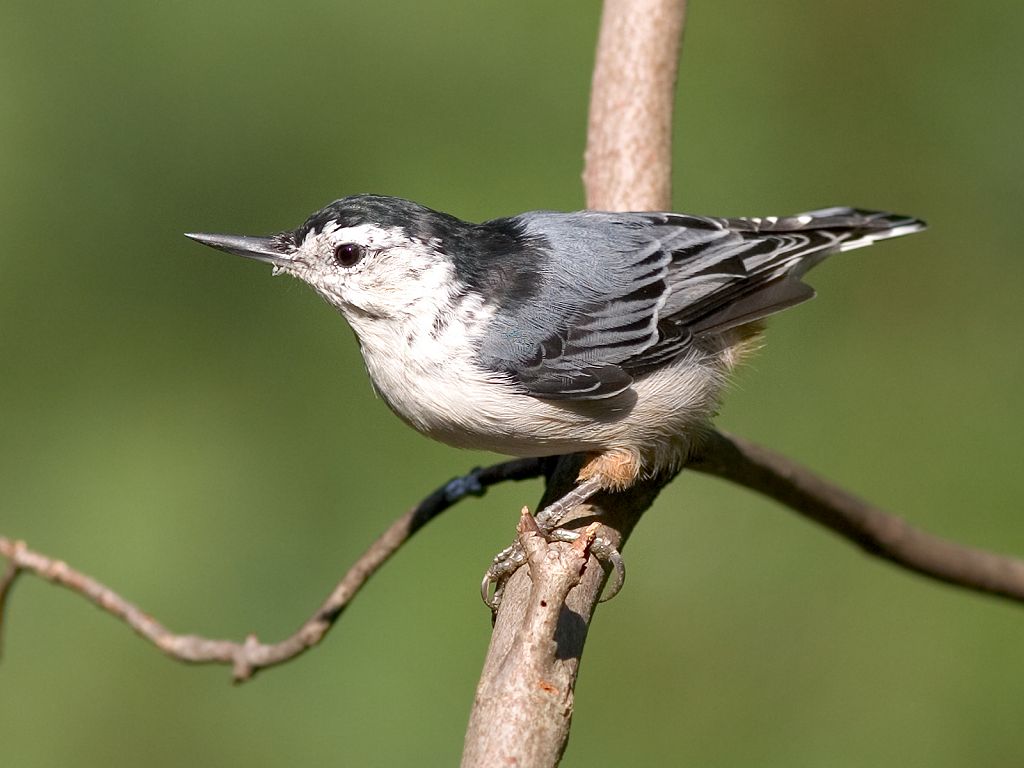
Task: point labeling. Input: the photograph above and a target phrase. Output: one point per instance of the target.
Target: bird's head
(372, 257)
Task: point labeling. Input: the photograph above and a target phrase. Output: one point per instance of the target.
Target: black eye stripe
(348, 254)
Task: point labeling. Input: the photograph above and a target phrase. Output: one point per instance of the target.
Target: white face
(368, 272)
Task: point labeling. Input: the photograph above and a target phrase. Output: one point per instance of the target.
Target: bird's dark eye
(348, 254)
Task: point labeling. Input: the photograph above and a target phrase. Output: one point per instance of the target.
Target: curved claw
(485, 591)
(617, 577)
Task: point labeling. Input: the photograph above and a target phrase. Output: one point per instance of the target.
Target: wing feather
(628, 293)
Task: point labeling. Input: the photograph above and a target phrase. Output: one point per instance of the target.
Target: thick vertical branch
(524, 701)
(628, 162)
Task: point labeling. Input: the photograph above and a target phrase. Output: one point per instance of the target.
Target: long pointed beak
(267, 249)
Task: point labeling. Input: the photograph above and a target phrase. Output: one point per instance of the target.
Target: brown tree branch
(628, 159)
(250, 656)
(628, 167)
(525, 702)
(876, 532)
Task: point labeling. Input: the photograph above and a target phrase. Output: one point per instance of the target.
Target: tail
(853, 227)
(764, 268)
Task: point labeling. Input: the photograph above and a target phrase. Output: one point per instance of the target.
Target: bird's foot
(512, 558)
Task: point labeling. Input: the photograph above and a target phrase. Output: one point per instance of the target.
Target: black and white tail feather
(772, 253)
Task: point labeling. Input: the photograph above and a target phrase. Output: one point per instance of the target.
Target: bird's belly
(458, 403)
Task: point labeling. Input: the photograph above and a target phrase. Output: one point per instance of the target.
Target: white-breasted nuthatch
(548, 333)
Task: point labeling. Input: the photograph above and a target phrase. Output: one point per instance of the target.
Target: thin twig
(250, 656)
(877, 532)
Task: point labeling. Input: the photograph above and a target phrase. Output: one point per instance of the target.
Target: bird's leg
(510, 559)
(556, 511)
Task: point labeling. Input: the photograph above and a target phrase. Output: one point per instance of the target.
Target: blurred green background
(203, 438)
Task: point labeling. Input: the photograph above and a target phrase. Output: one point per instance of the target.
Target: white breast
(421, 364)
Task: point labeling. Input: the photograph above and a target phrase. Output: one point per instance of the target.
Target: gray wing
(628, 293)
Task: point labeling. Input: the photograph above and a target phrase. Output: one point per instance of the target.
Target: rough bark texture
(524, 701)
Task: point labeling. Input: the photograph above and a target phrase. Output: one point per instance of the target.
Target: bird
(611, 334)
